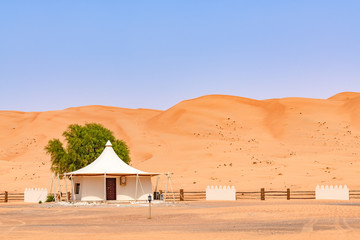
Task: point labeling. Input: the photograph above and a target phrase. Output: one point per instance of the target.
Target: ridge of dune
(103, 107)
(210, 140)
(344, 96)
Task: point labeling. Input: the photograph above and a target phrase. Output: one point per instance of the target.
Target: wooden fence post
(262, 194)
(181, 194)
(6, 197)
(288, 194)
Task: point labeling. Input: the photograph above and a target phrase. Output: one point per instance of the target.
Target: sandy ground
(284, 143)
(295, 219)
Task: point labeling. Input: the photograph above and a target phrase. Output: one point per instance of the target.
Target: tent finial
(108, 144)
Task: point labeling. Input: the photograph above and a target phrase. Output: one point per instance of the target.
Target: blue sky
(154, 54)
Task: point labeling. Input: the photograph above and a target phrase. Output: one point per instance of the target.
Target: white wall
(35, 195)
(221, 193)
(334, 193)
(127, 192)
(92, 188)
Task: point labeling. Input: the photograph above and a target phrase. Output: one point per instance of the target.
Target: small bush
(40, 202)
(50, 198)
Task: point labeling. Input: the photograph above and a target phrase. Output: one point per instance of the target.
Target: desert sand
(292, 143)
(195, 220)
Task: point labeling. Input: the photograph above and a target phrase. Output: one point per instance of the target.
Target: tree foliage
(83, 145)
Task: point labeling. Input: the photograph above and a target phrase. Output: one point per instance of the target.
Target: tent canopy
(109, 163)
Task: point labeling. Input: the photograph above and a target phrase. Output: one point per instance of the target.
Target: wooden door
(110, 188)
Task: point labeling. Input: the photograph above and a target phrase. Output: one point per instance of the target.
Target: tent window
(77, 188)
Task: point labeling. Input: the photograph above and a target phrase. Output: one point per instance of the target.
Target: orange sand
(211, 140)
(282, 220)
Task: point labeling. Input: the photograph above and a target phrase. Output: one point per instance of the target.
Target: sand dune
(210, 140)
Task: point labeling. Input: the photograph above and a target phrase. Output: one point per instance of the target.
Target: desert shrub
(50, 198)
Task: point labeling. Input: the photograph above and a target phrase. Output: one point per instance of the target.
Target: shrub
(50, 198)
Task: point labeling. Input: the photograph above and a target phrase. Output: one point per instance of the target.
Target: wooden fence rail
(61, 197)
(183, 195)
(354, 194)
(7, 196)
(262, 194)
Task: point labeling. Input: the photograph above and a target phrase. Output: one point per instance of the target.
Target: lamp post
(149, 199)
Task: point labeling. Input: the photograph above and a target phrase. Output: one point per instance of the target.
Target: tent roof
(109, 163)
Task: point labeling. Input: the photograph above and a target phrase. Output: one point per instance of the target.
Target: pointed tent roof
(109, 163)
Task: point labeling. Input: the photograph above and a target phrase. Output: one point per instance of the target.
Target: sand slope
(211, 140)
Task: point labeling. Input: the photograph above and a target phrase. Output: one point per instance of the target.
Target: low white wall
(334, 193)
(34, 195)
(221, 193)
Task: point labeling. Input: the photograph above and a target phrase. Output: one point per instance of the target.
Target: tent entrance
(110, 188)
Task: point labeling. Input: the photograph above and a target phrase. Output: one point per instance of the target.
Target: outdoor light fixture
(149, 199)
(122, 180)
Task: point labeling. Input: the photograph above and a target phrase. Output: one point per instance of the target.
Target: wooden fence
(9, 196)
(262, 194)
(182, 195)
(62, 197)
(16, 197)
(354, 194)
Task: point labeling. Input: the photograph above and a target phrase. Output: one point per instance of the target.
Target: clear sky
(154, 54)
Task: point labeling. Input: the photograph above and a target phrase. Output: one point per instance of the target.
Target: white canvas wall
(92, 188)
(127, 192)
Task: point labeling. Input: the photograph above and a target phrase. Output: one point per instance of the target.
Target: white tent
(109, 178)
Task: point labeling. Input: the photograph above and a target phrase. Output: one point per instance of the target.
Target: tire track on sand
(309, 226)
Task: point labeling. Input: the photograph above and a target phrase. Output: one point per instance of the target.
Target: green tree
(83, 145)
